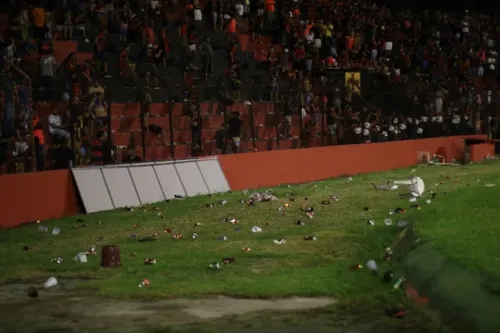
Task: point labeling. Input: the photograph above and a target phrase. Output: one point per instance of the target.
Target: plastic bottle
(398, 282)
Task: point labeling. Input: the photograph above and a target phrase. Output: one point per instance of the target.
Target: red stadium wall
(35, 196)
(53, 194)
(479, 152)
(272, 168)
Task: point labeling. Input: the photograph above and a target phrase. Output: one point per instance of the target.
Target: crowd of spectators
(446, 61)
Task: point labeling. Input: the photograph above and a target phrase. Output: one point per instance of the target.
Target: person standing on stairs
(101, 52)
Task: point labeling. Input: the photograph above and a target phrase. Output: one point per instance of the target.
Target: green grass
(461, 222)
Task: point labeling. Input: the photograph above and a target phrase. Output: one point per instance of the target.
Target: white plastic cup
(56, 231)
(51, 282)
(256, 229)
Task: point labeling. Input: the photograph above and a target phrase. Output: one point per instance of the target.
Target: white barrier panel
(121, 187)
(146, 183)
(169, 180)
(214, 177)
(191, 178)
(129, 185)
(93, 191)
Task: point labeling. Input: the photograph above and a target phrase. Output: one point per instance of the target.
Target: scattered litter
(91, 251)
(372, 265)
(262, 197)
(223, 202)
(167, 230)
(371, 222)
(388, 277)
(144, 283)
(356, 267)
(194, 235)
(313, 238)
(222, 238)
(81, 257)
(57, 260)
(130, 209)
(56, 231)
(27, 248)
(198, 224)
(334, 198)
(299, 222)
(32, 292)
(402, 224)
(214, 266)
(43, 228)
(385, 187)
(416, 206)
(400, 210)
(489, 185)
(228, 260)
(147, 239)
(427, 201)
(176, 236)
(388, 222)
(256, 229)
(388, 254)
(397, 312)
(325, 202)
(51, 282)
(135, 225)
(232, 220)
(398, 283)
(150, 261)
(246, 249)
(210, 205)
(279, 241)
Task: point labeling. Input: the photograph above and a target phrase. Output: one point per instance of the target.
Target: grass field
(460, 221)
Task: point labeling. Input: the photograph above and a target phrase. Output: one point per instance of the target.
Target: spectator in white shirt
(47, 65)
(55, 125)
(198, 17)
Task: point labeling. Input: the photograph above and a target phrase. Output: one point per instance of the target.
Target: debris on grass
(388, 222)
(144, 283)
(56, 231)
(57, 260)
(311, 238)
(356, 267)
(228, 260)
(51, 282)
(222, 238)
(299, 222)
(371, 222)
(81, 257)
(214, 266)
(279, 241)
(42, 228)
(256, 229)
(176, 236)
(194, 235)
(91, 251)
(246, 249)
(150, 261)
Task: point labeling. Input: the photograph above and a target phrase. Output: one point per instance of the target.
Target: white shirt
(47, 64)
(154, 4)
(54, 119)
(465, 26)
(197, 15)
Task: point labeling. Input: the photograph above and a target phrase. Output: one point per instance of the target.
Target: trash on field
(388, 222)
(56, 231)
(262, 197)
(51, 282)
(43, 228)
(144, 283)
(299, 222)
(416, 206)
(357, 266)
(210, 205)
(150, 261)
(246, 249)
(398, 282)
(388, 276)
(325, 202)
(427, 201)
(402, 223)
(57, 260)
(232, 220)
(400, 210)
(167, 230)
(228, 260)
(385, 187)
(313, 238)
(256, 229)
(81, 257)
(32, 292)
(176, 236)
(372, 265)
(388, 254)
(194, 235)
(371, 222)
(412, 200)
(91, 251)
(397, 312)
(489, 185)
(214, 266)
(222, 238)
(27, 248)
(223, 202)
(279, 241)
(130, 209)
(334, 198)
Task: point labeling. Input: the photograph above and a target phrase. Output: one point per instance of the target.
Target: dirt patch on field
(64, 308)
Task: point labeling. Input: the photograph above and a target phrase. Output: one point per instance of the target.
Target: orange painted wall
(263, 169)
(35, 196)
(479, 152)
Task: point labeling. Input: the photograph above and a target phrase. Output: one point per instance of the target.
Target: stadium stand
(91, 82)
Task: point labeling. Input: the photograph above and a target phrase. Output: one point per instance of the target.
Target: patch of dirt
(65, 308)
